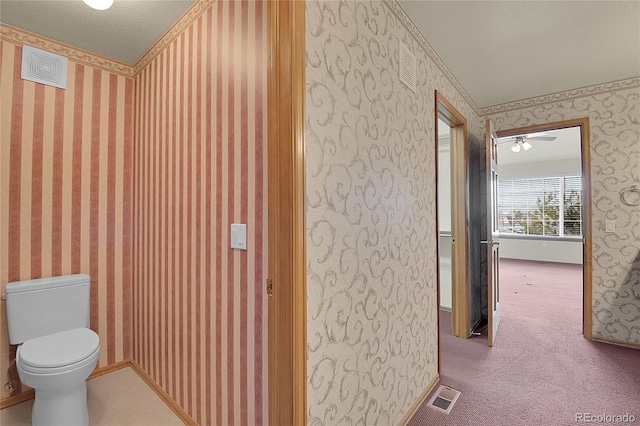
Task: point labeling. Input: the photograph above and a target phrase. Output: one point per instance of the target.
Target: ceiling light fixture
(99, 4)
(520, 142)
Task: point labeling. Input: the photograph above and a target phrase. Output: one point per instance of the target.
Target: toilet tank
(44, 306)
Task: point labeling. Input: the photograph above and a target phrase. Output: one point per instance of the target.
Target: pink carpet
(541, 370)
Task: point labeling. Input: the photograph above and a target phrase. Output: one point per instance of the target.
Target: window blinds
(541, 206)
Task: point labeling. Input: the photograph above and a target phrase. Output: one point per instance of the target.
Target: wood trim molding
(436, 184)
(587, 253)
(421, 399)
(163, 395)
(286, 211)
(543, 127)
(587, 259)
(17, 399)
(460, 326)
(460, 228)
(448, 111)
(109, 369)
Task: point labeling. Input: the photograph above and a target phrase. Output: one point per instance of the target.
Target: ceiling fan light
(526, 145)
(515, 147)
(99, 4)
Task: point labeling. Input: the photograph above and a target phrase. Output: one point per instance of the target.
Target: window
(542, 206)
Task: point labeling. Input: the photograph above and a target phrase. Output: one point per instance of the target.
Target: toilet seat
(57, 352)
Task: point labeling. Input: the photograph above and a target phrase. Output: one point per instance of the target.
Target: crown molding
(187, 18)
(22, 37)
(417, 35)
(630, 83)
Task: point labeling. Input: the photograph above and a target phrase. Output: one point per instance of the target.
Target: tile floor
(120, 398)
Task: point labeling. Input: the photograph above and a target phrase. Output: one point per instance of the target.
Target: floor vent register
(443, 399)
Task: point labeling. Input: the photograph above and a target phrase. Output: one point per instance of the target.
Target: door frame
(587, 248)
(459, 219)
(287, 273)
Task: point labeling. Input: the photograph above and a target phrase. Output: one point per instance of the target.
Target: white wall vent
(443, 399)
(44, 67)
(407, 67)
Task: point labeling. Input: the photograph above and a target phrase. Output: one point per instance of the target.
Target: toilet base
(61, 407)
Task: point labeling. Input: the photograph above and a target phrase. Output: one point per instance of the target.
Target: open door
(493, 236)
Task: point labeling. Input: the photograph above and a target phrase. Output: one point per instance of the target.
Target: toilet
(49, 319)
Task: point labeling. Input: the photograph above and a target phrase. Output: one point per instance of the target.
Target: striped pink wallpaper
(200, 164)
(65, 167)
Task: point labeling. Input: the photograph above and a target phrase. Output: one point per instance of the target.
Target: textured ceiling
(124, 32)
(500, 51)
(503, 51)
(565, 146)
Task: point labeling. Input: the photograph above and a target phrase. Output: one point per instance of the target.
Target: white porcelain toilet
(49, 318)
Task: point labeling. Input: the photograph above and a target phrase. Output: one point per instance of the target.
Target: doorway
(452, 217)
(445, 238)
(544, 211)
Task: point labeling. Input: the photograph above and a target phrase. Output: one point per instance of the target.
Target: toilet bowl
(48, 319)
(57, 367)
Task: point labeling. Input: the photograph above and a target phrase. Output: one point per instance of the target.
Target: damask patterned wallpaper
(615, 165)
(371, 216)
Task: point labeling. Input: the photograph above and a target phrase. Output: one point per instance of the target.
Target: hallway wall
(371, 214)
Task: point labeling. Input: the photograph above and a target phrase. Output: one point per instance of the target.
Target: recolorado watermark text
(605, 418)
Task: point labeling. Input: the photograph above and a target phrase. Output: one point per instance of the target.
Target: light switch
(239, 236)
(609, 226)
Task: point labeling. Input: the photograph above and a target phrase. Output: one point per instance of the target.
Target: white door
(493, 236)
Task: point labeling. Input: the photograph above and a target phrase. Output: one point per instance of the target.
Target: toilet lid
(59, 349)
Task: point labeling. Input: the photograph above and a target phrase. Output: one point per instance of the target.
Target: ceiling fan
(522, 142)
